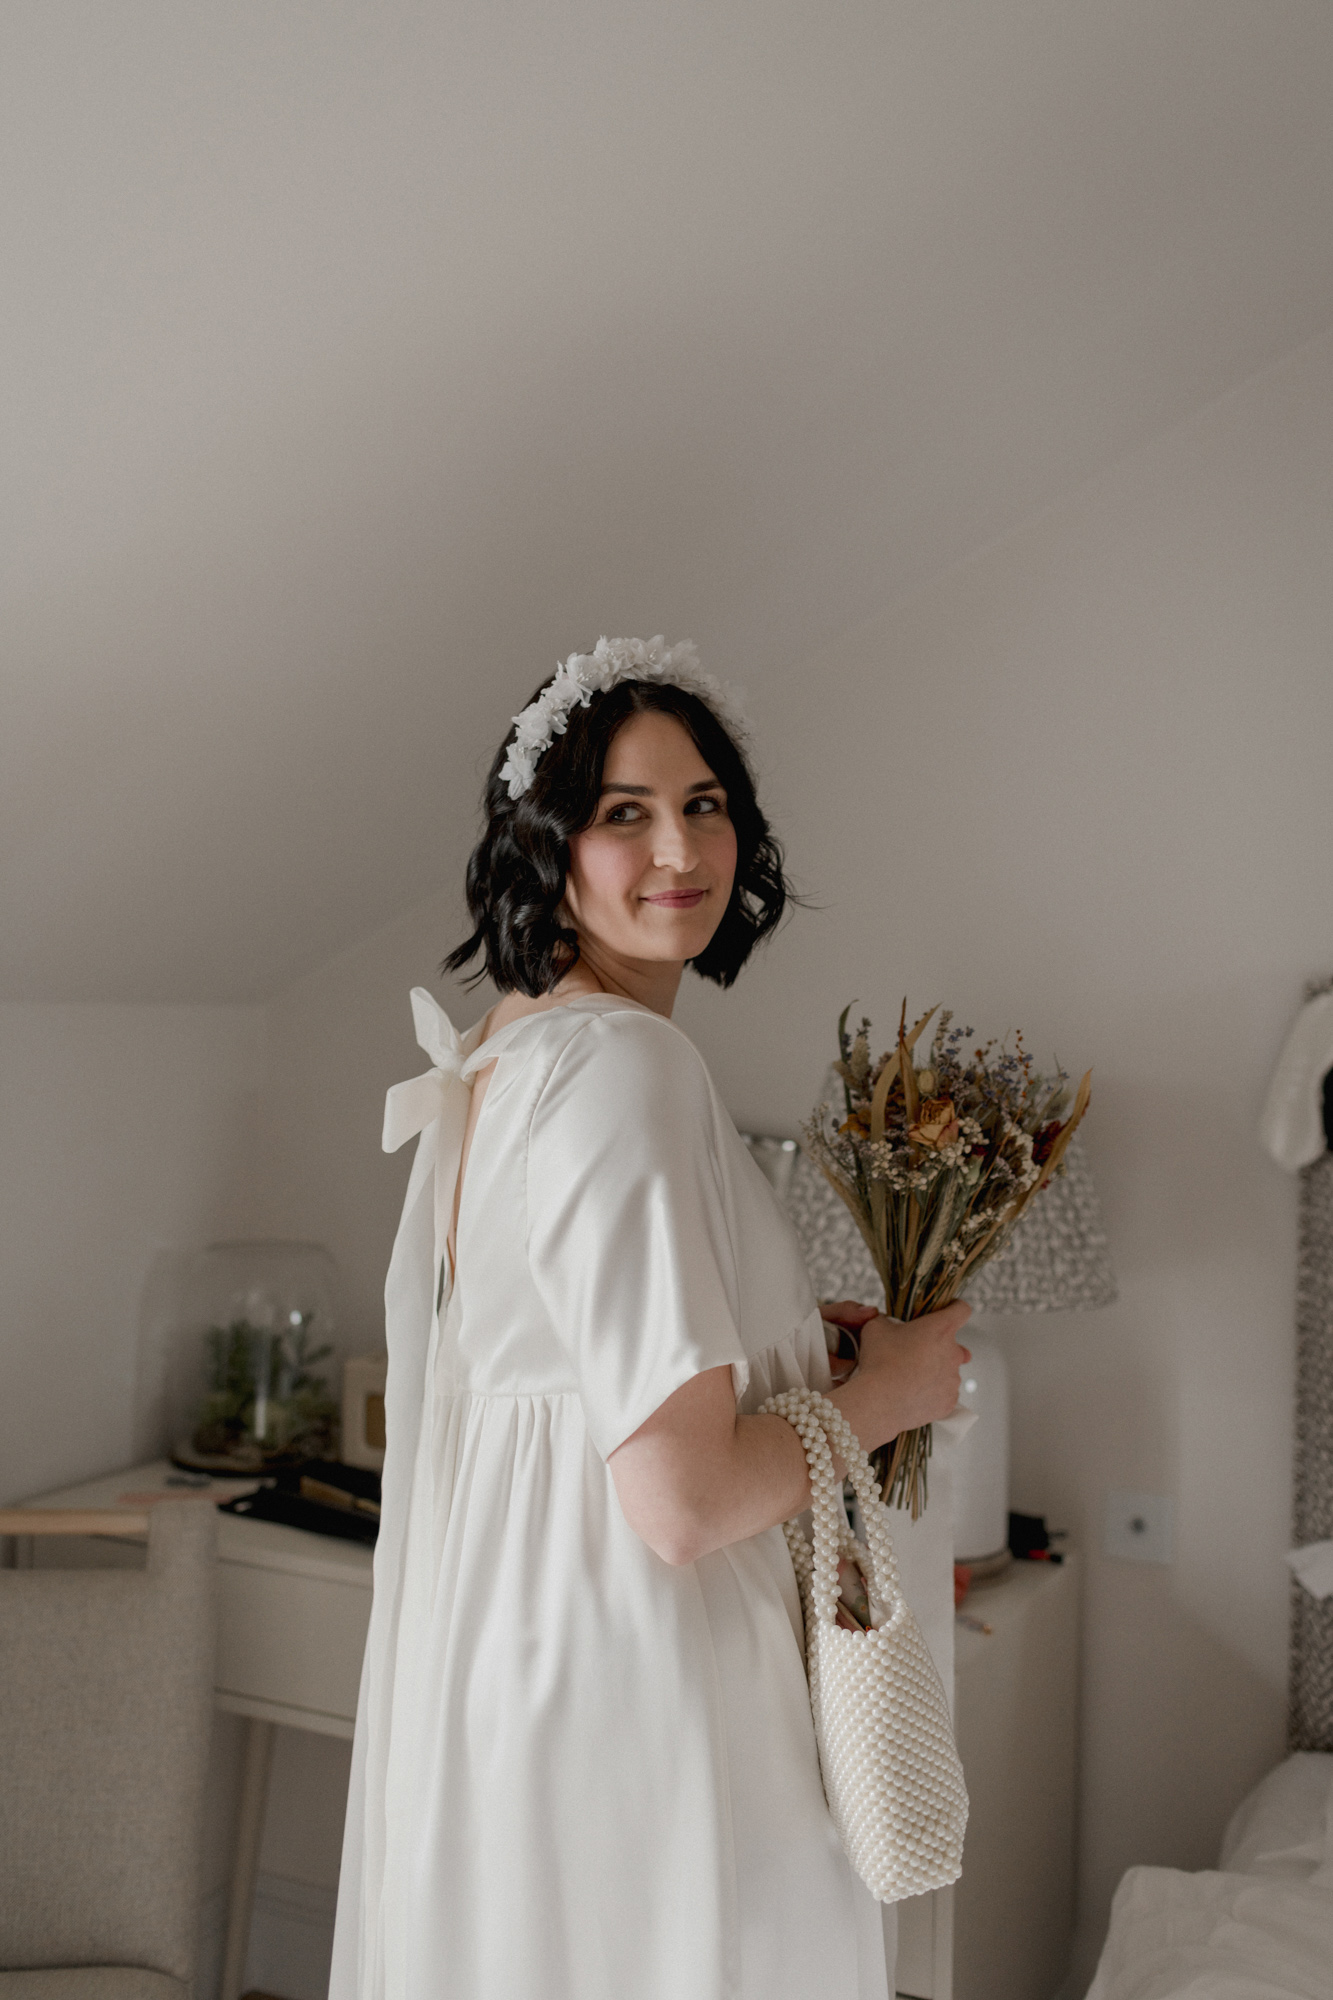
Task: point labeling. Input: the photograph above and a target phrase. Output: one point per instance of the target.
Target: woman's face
(651, 877)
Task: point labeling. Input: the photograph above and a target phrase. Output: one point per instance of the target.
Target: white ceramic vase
(981, 1480)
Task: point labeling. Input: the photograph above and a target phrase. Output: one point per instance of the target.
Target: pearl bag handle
(821, 1427)
(887, 1757)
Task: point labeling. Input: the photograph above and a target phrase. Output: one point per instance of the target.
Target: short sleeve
(628, 1240)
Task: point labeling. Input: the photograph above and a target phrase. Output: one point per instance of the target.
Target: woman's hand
(908, 1375)
(846, 1313)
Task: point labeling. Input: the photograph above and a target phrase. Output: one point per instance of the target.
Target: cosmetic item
(363, 1410)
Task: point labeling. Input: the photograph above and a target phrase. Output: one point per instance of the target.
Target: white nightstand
(1003, 1932)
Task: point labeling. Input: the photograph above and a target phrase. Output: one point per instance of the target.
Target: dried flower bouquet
(936, 1163)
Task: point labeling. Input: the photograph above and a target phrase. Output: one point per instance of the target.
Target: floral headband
(585, 674)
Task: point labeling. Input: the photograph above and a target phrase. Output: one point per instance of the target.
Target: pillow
(1283, 1827)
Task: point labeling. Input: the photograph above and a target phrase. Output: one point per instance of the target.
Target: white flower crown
(585, 674)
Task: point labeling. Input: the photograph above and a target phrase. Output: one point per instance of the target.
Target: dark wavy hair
(516, 873)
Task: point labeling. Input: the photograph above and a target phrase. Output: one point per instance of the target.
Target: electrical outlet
(1139, 1527)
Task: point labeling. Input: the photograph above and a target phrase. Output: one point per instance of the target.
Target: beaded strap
(821, 1427)
(887, 1757)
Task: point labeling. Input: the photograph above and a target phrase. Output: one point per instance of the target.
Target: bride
(585, 1767)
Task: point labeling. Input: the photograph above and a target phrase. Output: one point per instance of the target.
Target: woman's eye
(628, 813)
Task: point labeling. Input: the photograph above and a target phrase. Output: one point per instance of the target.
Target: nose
(675, 844)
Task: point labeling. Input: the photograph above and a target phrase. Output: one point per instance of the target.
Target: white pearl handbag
(891, 1773)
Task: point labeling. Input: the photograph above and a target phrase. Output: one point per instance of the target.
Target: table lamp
(1055, 1261)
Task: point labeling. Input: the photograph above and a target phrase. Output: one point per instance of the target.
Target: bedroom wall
(126, 1134)
(1081, 785)
(1078, 785)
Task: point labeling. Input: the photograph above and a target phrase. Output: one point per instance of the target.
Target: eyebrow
(646, 791)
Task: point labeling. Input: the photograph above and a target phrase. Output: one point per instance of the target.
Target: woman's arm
(696, 1476)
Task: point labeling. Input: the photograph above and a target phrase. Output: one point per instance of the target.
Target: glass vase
(263, 1316)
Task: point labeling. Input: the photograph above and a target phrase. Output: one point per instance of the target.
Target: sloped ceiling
(361, 359)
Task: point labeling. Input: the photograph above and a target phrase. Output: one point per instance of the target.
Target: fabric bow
(410, 1107)
(435, 1105)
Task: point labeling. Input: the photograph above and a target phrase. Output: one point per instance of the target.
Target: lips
(677, 899)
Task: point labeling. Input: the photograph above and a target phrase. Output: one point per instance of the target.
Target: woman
(585, 1767)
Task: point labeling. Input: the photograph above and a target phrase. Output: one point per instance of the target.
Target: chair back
(106, 1699)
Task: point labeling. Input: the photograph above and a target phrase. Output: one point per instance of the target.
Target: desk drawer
(293, 1640)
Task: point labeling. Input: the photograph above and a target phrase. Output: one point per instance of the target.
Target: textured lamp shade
(1056, 1260)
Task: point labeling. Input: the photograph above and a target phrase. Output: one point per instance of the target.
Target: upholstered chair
(106, 1697)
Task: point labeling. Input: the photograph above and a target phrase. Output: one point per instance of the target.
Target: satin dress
(581, 1773)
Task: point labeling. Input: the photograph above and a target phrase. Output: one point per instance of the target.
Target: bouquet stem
(901, 1468)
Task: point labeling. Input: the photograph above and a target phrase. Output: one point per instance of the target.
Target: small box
(363, 1410)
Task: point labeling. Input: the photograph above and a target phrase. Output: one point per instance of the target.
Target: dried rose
(936, 1123)
(1044, 1140)
(858, 1123)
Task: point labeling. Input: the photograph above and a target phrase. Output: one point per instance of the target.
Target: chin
(676, 941)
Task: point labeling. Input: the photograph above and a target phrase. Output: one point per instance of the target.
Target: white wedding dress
(580, 1773)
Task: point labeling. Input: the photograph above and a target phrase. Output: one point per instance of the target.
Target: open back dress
(580, 1773)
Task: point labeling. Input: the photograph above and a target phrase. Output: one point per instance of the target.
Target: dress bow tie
(436, 1105)
(410, 1107)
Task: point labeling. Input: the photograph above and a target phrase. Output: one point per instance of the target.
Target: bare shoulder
(517, 1006)
(511, 1007)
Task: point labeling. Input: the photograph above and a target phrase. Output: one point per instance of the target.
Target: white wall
(1079, 785)
(125, 1135)
(336, 1041)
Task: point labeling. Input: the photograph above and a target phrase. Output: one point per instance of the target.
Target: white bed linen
(1260, 1928)
(1285, 1826)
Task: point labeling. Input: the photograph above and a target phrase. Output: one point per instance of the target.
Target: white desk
(293, 1609)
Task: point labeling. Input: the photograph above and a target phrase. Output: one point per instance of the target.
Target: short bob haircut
(516, 873)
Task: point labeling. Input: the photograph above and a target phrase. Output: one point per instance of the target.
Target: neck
(653, 983)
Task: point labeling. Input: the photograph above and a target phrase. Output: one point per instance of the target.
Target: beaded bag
(891, 1773)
